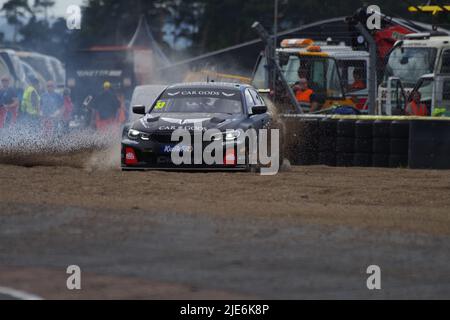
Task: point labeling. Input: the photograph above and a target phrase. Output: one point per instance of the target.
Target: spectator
(8, 103)
(31, 103)
(302, 92)
(106, 106)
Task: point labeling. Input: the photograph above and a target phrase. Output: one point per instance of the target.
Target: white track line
(17, 294)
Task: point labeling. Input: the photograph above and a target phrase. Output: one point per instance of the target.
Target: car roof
(210, 85)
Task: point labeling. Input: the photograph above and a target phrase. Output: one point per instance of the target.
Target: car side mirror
(259, 109)
(139, 109)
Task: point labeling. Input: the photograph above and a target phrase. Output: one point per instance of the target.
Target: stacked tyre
(380, 143)
(399, 144)
(327, 141)
(345, 142)
(363, 143)
(308, 141)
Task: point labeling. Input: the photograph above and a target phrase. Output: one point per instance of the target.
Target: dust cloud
(86, 148)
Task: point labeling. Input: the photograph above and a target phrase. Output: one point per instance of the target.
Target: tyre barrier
(327, 141)
(364, 141)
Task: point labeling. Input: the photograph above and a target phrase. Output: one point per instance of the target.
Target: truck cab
(433, 90)
(317, 63)
(416, 56)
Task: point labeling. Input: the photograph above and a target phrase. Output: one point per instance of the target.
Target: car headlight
(227, 135)
(231, 134)
(135, 134)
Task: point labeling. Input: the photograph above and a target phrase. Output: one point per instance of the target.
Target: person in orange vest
(302, 92)
(358, 83)
(415, 107)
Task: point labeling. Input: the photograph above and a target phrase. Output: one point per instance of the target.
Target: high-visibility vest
(304, 96)
(27, 105)
(358, 84)
(418, 110)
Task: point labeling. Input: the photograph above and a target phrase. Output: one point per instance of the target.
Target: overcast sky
(60, 6)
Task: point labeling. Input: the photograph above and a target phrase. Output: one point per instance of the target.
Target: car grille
(165, 137)
(162, 137)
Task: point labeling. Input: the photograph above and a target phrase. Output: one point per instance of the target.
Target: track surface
(309, 232)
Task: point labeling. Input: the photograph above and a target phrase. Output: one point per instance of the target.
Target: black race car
(194, 121)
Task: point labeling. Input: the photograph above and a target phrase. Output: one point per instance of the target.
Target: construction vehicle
(433, 90)
(411, 58)
(277, 75)
(415, 56)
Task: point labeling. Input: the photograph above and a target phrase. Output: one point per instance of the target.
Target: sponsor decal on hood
(203, 93)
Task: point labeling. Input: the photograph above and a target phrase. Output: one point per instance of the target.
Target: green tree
(16, 11)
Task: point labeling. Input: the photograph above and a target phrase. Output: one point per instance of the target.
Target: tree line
(182, 27)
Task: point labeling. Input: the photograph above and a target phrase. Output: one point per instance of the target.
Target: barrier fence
(368, 141)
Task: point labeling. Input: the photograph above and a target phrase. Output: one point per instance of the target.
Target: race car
(206, 125)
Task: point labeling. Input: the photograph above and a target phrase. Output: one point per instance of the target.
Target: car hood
(189, 121)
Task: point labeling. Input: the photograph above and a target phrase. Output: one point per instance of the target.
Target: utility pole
(275, 32)
(372, 85)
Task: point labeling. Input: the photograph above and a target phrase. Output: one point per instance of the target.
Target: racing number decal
(160, 104)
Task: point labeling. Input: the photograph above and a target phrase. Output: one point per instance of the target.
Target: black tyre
(327, 144)
(380, 160)
(327, 135)
(344, 159)
(398, 161)
(327, 158)
(399, 146)
(345, 145)
(381, 129)
(399, 129)
(346, 128)
(363, 129)
(363, 145)
(362, 159)
(308, 135)
(327, 127)
(307, 158)
(381, 145)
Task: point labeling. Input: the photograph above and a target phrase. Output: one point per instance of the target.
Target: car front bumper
(150, 155)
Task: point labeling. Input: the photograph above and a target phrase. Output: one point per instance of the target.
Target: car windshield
(191, 100)
(409, 64)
